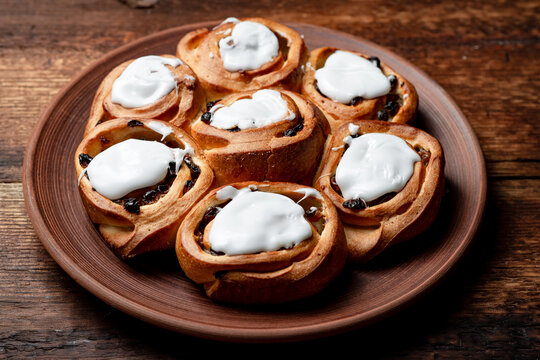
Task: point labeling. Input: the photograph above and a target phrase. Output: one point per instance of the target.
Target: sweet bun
(395, 216)
(278, 65)
(286, 150)
(178, 103)
(268, 274)
(398, 105)
(145, 218)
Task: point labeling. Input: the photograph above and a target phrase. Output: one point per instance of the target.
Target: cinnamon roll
(241, 55)
(137, 180)
(267, 134)
(262, 242)
(385, 179)
(149, 87)
(350, 86)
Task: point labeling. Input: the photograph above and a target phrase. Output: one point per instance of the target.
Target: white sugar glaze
(130, 165)
(265, 107)
(255, 221)
(249, 46)
(160, 128)
(374, 164)
(346, 76)
(144, 81)
(307, 193)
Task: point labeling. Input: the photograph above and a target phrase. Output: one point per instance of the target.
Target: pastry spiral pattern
(288, 149)
(203, 50)
(397, 103)
(271, 275)
(373, 225)
(146, 216)
(145, 80)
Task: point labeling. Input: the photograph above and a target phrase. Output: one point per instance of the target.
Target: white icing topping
(345, 76)
(373, 165)
(249, 46)
(144, 81)
(308, 192)
(353, 129)
(229, 20)
(130, 165)
(257, 221)
(160, 128)
(265, 107)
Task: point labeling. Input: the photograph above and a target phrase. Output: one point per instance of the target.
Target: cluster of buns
(250, 119)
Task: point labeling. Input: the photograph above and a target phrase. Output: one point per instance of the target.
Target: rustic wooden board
(487, 309)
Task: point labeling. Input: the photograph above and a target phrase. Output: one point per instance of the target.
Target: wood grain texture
(481, 53)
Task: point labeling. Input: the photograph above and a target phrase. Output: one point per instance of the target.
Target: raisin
(104, 140)
(163, 188)
(133, 123)
(219, 274)
(210, 104)
(206, 117)
(334, 184)
(382, 115)
(356, 204)
(193, 168)
(84, 159)
(132, 205)
(424, 155)
(210, 214)
(172, 168)
(294, 130)
(234, 129)
(393, 81)
(150, 196)
(188, 185)
(392, 107)
(356, 100)
(375, 60)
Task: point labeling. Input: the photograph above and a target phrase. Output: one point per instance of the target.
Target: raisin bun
(149, 87)
(137, 180)
(350, 86)
(385, 179)
(268, 242)
(244, 54)
(258, 135)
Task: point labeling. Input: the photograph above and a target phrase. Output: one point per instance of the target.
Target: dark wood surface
(484, 54)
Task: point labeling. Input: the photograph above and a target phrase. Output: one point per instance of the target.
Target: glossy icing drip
(249, 46)
(255, 221)
(144, 81)
(346, 76)
(130, 165)
(374, 164)
(265, 107)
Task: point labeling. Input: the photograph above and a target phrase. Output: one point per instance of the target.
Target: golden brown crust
(200, 50)
(337, 113)
(409, 212)
(178, 107)
(265, 153)
(155, 227)
(266, 277)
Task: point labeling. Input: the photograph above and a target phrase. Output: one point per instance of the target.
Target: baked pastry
(385, 179)
(149, 87)
(350, 86)
(247, 54)
(267, 134)
(137, 180)
(262, 242)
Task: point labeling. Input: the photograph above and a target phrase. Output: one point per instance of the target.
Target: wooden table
(484, 53)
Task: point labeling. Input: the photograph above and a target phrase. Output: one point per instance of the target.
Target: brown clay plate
(153, 287)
